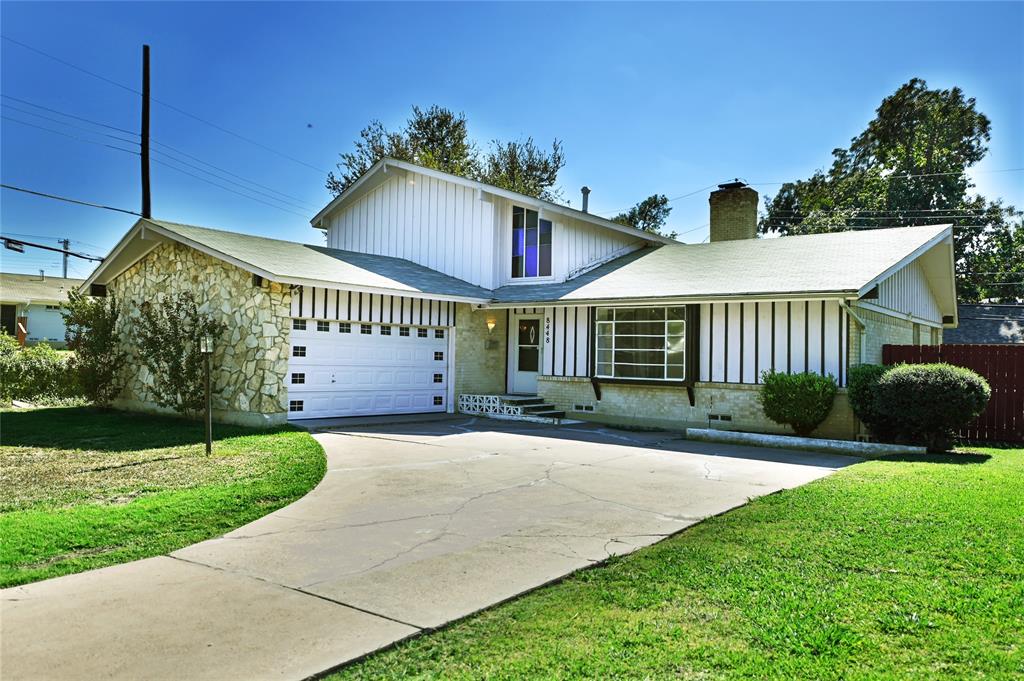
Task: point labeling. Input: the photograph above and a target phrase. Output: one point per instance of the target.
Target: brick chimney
(733, 212)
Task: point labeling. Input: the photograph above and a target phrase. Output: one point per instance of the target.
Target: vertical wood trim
(508, 345)
(554, 335)
(789, 337)
(575, 341)
(773, 336)
(565, 336)
(337, 304)
(822, 338)
(807, 335)
(325, 303)
(711, 342)
(757, 342)
(742, 346)
(302, 291)
(840, 360)
(349, 315)
(360, 306)
(725, 348)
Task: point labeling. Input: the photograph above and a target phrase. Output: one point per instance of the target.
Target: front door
(9, 319)
(526, 355)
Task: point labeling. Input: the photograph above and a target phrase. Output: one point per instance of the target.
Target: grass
(906, 569)
(82, 488)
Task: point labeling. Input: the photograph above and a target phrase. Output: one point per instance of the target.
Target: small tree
(801, 401)
(92, 334)
(169, 334)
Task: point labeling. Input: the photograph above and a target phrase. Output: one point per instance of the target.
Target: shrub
(92, 334)
(801, 401)
(927, 403)
(862, 390)
(168, 334)
(37, 371)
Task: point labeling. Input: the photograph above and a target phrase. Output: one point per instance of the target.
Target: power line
(64, 198)
(912, 176)
(168, 105)
(233, 191)
(8, 241)
(64, 134)
(72, 125)
(64, 113)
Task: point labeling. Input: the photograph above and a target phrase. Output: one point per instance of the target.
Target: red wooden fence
(1003, 368)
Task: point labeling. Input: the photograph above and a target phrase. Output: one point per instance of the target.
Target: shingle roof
(23, 288)
(290, 260)
(816, 263)
(987, 324)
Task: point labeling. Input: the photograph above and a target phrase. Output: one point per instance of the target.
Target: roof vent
(586, 197)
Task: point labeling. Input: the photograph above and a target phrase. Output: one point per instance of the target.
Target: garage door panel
(355, 374)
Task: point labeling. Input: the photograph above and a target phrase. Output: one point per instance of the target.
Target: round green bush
(862, 391)
(928, 403)
(800, 401)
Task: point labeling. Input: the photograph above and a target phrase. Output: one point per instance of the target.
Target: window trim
(526, 279)
(690, 349)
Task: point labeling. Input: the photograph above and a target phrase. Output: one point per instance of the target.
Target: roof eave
(687, 299)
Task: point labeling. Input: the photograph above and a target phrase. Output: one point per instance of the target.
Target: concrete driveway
(414, 525)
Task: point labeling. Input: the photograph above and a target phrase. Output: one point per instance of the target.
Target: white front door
(353, 369)
(526, 353)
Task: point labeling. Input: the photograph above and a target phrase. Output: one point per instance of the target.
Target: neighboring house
(30, 307)
(988, 324)
(435, 293)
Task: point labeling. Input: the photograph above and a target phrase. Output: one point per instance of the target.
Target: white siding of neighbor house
(461, 232)
(44, 324)
(907, 291)
(740, 340)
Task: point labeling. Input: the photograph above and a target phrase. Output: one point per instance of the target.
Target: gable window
(641, 343)
(531, 244)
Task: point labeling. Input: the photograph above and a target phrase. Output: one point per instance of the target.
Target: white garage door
(354, 369)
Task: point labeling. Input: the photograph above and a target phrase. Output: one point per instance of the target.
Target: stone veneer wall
(479, 362)
(669, 406)
(250, 360)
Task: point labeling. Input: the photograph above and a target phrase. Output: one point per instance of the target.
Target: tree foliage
(649, 215)
(169, 334)
(439, 138)
(91, 332)
(909, 167)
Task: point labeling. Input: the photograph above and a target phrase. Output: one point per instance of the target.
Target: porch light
(206, 345)
(491, 323)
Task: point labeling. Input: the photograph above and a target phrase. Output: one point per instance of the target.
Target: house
(435, 293)
(30, 307)
(987, 324)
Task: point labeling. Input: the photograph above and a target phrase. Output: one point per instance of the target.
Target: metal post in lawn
(206, 348)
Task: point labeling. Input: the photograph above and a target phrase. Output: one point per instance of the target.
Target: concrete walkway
(414, 525)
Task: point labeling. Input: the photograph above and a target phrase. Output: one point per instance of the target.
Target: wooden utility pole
(144, 154)
(66, 243)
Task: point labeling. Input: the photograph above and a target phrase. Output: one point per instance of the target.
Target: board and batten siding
(907, 292)
(435, 223)
(312, 302)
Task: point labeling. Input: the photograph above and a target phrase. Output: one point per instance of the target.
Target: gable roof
(379, 171)
(834, 264)
(987, 324)
(290, 262)
(29, 288)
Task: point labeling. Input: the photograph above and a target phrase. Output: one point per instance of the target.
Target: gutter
(863, 329)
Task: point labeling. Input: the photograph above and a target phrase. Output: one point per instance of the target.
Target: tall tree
(909, 167)
(649, 215)
(521, 166)
(439, 138)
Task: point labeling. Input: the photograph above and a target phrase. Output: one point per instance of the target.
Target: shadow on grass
(958, 458)
(108, 430)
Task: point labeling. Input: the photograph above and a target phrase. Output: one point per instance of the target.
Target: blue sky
(665, 98)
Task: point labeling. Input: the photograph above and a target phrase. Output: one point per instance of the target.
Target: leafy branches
(649, 215)
(92, 333)
(169, 335)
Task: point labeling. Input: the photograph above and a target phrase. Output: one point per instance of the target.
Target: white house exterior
(31, 304)
(437, 293)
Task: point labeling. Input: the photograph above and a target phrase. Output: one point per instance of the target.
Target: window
(403, 331)
(295, 405)
(298, 379)
(323, 326)
(385, 330)
(438, 400)
(421, 333)
(438, 378)
(365, 329)
(344, 327)
(531, 244)
(299, 351)
(299, 324)
(641, 343)
(439, 356)
(438, 333)
(53, 307)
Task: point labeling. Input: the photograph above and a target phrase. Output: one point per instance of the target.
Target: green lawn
(82, 488)
(887, 569)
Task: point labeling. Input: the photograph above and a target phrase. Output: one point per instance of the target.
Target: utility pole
(66, 243)
(144, 154)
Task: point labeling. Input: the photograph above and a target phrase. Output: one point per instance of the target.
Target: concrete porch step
(512, 407)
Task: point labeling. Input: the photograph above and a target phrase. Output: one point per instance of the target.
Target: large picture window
(641, 343)
(531, 244)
